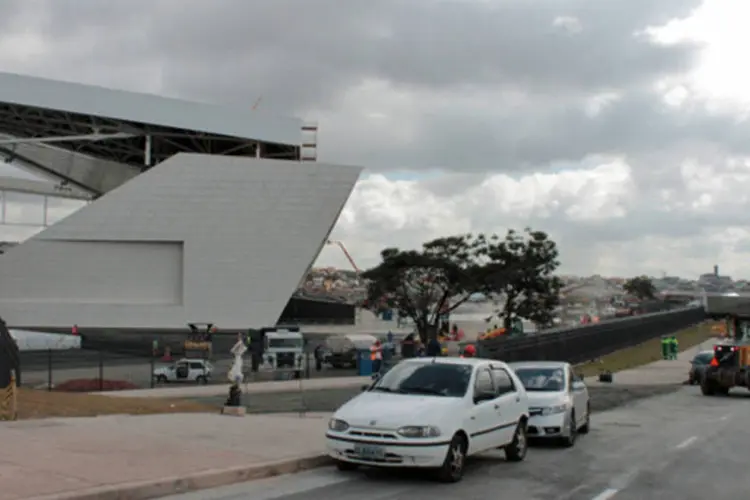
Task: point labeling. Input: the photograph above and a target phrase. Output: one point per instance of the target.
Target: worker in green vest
(673, 347)
(665, 347)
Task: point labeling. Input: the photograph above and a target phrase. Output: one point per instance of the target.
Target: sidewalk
(138, 457)
(200, 391)
(662, 372)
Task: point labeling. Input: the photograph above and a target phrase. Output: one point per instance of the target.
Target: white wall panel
(83, 272)
(249, 230)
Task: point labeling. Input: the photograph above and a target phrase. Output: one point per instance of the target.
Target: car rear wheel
(516, 450)
(162, 379)
(452, 469)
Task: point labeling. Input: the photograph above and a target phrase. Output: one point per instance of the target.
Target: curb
(201, 480)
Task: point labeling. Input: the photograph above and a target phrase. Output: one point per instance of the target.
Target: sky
(620, 127)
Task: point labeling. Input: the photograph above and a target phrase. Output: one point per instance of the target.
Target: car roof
(539, 364)
(452, 360)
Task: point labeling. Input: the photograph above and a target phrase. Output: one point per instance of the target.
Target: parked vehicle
(559, 403)
(432, 413)
(185, 370)
(698, 366)
(342, 349)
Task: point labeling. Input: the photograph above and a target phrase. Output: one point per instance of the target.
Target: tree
(426, 284)
(520, 269)
(640, 286)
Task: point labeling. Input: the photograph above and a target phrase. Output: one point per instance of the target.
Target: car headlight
(554, 410)
(337, 425)
(419, 431)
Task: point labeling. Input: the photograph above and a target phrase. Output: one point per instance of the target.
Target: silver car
(559, 406)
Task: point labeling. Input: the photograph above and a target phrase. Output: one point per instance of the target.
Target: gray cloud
(497, 87)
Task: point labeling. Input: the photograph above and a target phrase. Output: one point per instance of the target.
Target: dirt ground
(645, 353)
(42, 404)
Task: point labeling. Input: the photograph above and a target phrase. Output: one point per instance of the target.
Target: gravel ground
(328, 400)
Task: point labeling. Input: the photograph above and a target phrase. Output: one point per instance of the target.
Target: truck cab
(730, 366)
(284, 350)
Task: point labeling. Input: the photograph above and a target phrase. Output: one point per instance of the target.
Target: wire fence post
(101, 370)
(49, 370)
(153, 367)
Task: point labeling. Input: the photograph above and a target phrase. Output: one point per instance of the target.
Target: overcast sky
(618, 126)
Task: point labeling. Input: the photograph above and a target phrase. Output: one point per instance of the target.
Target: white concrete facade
(197, 238)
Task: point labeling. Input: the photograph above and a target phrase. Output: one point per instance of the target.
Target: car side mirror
(579, 385)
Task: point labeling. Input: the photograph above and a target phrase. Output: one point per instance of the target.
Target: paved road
(680, 445)
(327, 400)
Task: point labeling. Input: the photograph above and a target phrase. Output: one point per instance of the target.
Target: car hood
(541, 399)
(391, 411)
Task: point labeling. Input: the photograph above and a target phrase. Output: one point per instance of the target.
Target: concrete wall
(197, 238)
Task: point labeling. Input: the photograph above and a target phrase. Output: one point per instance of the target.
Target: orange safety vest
(375, 353)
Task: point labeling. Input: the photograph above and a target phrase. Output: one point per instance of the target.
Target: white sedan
(559, 401)
(432, 413)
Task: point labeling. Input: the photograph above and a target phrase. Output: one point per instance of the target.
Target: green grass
(645, 353)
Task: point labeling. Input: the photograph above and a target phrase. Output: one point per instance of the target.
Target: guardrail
(577, 345)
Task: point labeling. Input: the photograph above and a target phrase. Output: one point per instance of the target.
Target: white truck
(284, 351)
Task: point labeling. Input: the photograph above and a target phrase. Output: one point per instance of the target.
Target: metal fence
(585, 343)
(90, 370)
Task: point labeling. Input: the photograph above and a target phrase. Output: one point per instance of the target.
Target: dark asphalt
(677, 445)
(328, 400)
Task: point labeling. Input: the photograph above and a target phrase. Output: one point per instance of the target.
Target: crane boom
(346, 253)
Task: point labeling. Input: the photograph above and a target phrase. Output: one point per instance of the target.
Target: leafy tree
(641, 287)
(426, 284)
(520, 269)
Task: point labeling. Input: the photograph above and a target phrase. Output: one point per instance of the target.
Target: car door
(483, 423)
(182, 370)
(579, 395)
(196, 370)
(509, 405)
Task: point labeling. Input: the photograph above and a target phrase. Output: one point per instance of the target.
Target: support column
(147, 160)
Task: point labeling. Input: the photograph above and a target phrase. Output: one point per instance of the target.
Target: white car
(432, 413)
(559, 401)
(185, 370)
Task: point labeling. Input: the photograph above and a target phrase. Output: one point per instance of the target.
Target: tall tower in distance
(716, 270)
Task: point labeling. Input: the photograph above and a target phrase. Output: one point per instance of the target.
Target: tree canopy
(641, 287)
(427, 284)
(520, 270)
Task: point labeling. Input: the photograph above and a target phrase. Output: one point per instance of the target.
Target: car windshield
(703, 358)
(542, 379)
(431, 379)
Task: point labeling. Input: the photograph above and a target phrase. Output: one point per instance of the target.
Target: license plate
(369, 452)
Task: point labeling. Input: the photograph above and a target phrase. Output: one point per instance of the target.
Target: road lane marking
(606, 494)
(686, 443)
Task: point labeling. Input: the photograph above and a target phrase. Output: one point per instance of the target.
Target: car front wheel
(586, 427)
(162, 379)
(570, 439)
(452, 469)
(516, 450)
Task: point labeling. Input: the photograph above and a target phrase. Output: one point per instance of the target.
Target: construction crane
(346, 253)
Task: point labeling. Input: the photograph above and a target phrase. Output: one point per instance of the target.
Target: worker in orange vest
(376, 356)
